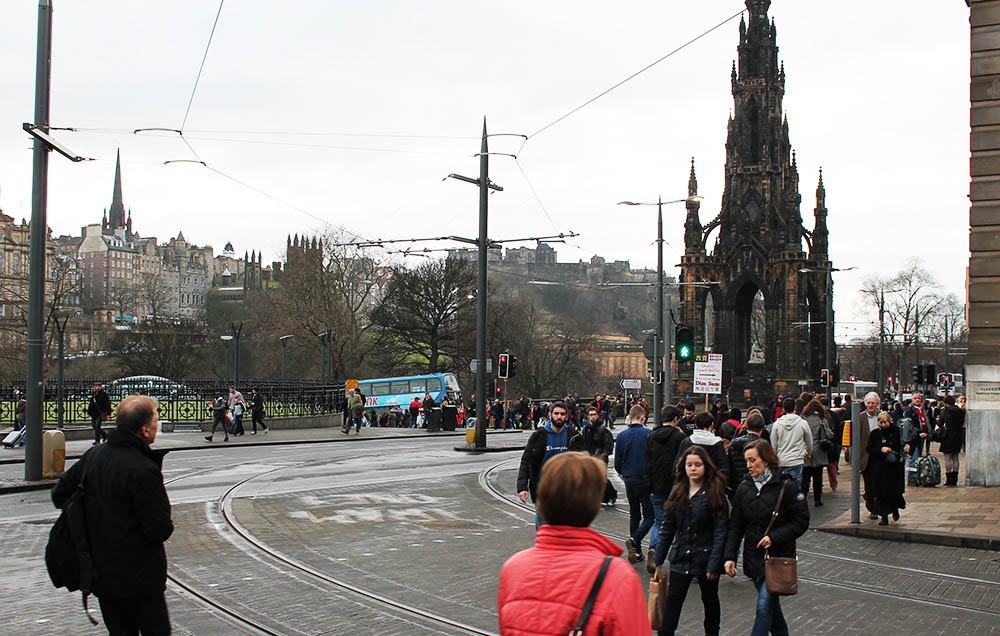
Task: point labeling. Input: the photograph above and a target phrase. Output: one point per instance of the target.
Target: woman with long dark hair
(694, 530)
(754, 503)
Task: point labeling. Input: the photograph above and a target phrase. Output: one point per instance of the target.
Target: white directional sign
(630, 383)
(708, 374)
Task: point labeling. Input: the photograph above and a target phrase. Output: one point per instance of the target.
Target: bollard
(53, 454)
(470, 431)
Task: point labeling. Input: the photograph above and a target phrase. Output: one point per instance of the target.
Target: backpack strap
(588, 607)
(86, 562)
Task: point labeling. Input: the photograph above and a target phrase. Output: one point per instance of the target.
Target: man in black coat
(128, 520)
(737, 463)
(554, 437)
(660, 468)
(257, 411)
(99, 410)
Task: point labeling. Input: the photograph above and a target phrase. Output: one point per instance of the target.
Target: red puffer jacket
(543, 589)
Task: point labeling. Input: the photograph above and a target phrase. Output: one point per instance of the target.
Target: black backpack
(67, 554)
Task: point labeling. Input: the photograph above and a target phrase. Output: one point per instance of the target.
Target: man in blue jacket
(630, 463)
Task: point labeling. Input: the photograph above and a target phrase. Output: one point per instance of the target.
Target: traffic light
(930, 374)
(650, 371)
(684, 339)
(917, 374)
(503, 366)
(512, 370)
(824, 378)
(499, 391)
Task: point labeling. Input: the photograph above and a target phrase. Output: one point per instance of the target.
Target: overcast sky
(369, 104)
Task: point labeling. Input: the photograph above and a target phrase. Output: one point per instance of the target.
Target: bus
(383, 393)
(856, 389)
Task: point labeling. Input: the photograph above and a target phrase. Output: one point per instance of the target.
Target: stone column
(983, 361)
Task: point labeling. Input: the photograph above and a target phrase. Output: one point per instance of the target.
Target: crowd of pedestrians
(706, 487)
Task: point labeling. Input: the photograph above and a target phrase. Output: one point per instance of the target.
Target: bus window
(379, 388)
(433, 385)
(399, 387)
(418, 386)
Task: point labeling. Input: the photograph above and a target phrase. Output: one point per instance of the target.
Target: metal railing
(183, 401)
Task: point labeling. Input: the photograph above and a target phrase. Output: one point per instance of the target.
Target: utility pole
(881, 344)
(668, 344)
(947, 347)
(916, 336)
(61, 330)
(484, 192)
(660, 337)
(237, 331)
(39, 230)
(829, 329)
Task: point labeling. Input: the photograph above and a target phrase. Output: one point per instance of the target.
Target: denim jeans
(795, 472)
(640, 510)
(770, 619)
(916, 450)
(99, 434)
(654, 534)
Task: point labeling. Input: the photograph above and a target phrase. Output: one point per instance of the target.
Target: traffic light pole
(661, 336)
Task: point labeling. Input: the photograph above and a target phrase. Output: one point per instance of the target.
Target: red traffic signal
(824, 377)
(503, 366)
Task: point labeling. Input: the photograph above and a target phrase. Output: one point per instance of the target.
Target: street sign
(708, 373)
(489, 365)
(352, 384)
(630, 383)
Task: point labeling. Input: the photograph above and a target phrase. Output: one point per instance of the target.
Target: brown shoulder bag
(780, 573)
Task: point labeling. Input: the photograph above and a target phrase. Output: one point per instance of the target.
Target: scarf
(762, 478)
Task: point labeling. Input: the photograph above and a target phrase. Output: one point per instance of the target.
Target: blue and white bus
(383, 393)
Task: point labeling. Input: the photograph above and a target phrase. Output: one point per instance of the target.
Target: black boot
(951, 479)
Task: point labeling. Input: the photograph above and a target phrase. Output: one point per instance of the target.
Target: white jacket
(792, 440)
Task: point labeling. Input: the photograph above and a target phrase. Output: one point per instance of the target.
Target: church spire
(692, 181)
(117, 219)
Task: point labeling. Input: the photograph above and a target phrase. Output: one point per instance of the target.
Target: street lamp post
(323, 355)
(237, 331)
(660, 331)
(225, 360)
(61, 330)
(829, 270)
(284, 341)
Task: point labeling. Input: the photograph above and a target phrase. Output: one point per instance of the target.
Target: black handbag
(892, 457)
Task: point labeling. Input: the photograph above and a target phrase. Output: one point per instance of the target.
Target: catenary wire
(633, 75)
(201, 67)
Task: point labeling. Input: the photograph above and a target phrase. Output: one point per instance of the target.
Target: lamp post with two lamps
(660, 329)
(350, 303)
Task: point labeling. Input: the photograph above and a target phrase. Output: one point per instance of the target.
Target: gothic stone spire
(117, 219)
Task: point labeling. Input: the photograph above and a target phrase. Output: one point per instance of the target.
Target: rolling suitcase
(14, 438)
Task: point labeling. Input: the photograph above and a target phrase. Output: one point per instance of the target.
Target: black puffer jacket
(737, 462)
(953, 421)
(661, 459)
(128, 515)
(598, 441)
(750, 514)
(696, 536)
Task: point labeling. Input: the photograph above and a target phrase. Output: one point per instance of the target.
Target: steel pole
(484, 185)
(856, 461)
(283, 367)
(916, 339)
(829, 332)
(881, 344)
(657, 354)
(350, 354)
(59, 384)
(225, 362)
(947, 347)
(39, 230)
(668, 346)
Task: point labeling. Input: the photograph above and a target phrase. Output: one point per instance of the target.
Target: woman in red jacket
(543, 589)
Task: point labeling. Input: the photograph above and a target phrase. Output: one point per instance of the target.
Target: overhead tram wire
(201, 67)
(630, 77)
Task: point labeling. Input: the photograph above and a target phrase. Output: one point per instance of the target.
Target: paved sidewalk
(963, 517)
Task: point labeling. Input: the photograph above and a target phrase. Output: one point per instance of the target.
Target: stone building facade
(761, 310)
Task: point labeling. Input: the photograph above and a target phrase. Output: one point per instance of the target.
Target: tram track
(390, 607)
(485, 481)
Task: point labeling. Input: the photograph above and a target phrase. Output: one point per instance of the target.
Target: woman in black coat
(694, 529)
(953, 423)
(753, 504)
(886, 469)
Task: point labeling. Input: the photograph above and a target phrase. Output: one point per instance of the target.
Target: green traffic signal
(684, 338)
